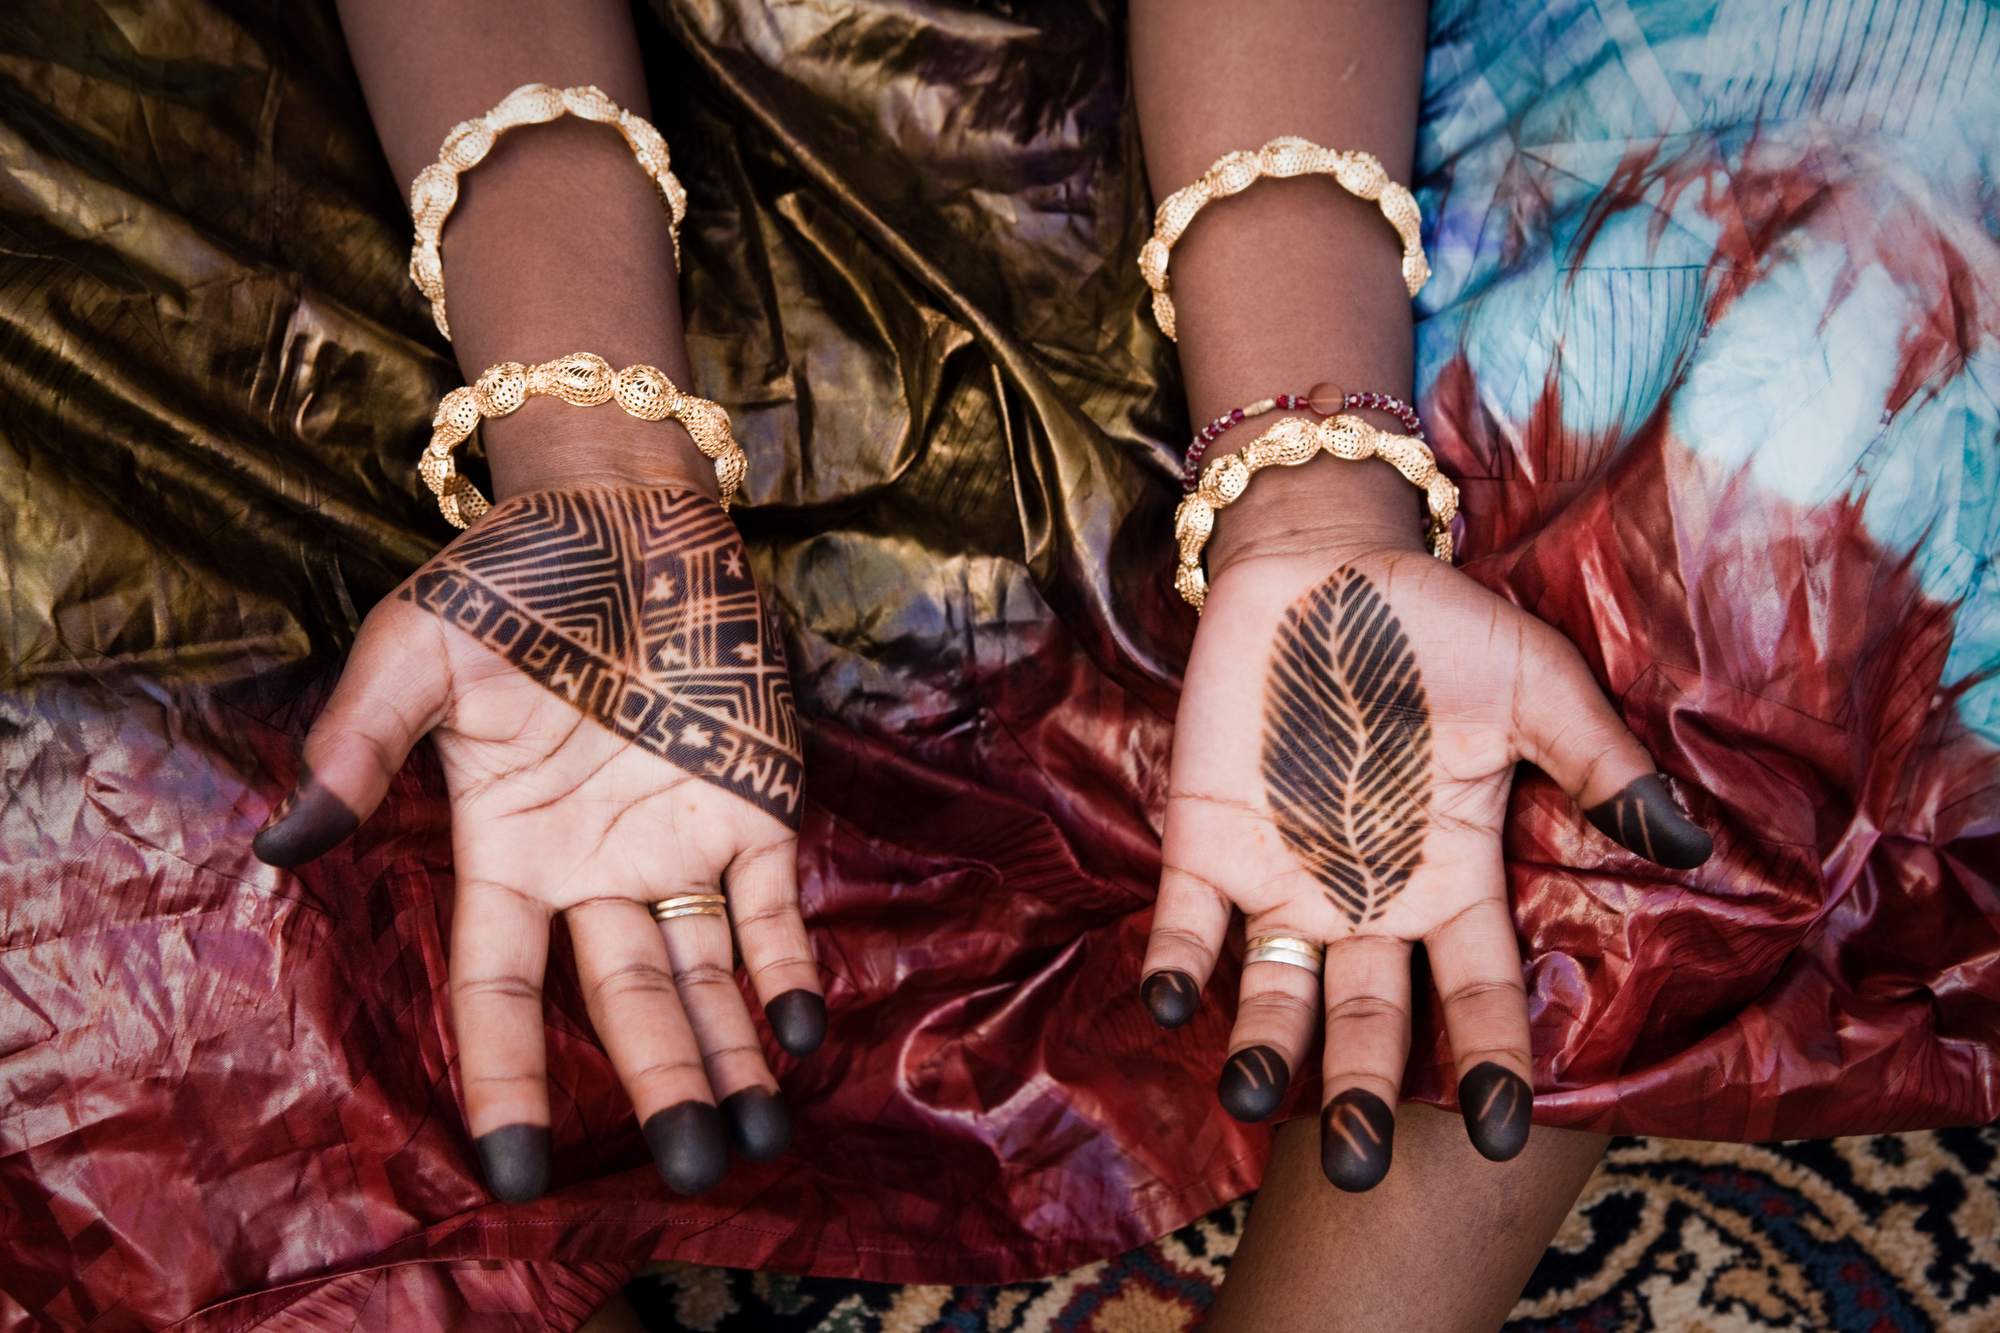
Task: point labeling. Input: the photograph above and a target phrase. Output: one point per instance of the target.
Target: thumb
(1568, 729)
(392, 691)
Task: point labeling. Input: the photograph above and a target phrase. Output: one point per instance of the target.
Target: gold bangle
(1360, 174)
(435, 189)
(582, 379)
(688, 904)
(1287, 444)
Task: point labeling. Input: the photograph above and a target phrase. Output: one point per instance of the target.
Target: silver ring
(688, 904)
(1286, 949)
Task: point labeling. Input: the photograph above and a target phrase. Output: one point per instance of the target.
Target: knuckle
(655, 1070)
(1364, 1009)
(488, 1080)
(1488, 989)
(1183, 936)
(503, 987)
(629, 980)
(1277, 1007)
(779, 914)
(705, 975)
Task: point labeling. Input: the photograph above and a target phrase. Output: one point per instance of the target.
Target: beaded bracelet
(1287, 444)
(1360, 174)
(435, 189)
(1326, 399)
(581, 379)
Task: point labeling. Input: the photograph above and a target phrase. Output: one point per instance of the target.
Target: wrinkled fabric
(1711, 351)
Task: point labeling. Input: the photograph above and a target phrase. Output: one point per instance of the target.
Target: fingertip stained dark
(760, 1124)
(798, 1021)
(1498, 1106)
(1357, 1136)
(310, 822)
(690, 1146)
(1253, 1083)
(1171, 997)
(515, 1161)
(1645, 819)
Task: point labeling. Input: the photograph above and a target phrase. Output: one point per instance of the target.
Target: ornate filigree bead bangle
(1360, 174)
(1326, 399)
(1287, 444)
(581, 379)
(435, 189)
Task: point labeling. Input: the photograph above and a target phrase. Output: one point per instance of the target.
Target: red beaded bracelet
(1325, 400)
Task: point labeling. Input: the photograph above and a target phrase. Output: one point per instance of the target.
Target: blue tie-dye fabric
(1558, 263)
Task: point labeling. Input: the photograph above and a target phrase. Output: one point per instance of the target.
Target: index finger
(1189, 921)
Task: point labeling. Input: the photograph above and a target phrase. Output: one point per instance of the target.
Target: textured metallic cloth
(228, 1093)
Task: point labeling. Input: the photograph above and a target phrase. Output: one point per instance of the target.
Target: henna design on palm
(638, 609)
(1347, 744)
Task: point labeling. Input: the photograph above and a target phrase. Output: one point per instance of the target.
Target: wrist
(548, 444)
(1327, 508)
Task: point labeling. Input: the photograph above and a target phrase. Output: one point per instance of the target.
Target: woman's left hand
(1342, 756)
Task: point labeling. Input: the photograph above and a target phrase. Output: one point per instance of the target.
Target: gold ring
(1286, 949)
(688, 904)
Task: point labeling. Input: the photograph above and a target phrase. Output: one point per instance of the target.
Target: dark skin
(591, 660)
(1352, 714)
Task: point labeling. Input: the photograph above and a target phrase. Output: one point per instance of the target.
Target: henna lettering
(1347, 745)
(638, 609)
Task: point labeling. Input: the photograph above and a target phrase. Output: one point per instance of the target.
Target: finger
(1569, 730)
(499, 948)
(391, 692)
(1277, 1008)
(1477, 966)
(698, 950)
(1189, 921)
(1367, 1044)
(635, 1007)
(763, 887)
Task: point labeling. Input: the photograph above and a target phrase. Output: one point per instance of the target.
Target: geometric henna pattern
(637, 608)
(1347, 744)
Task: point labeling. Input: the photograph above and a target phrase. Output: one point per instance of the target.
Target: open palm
(1342, 756)
(617, 729)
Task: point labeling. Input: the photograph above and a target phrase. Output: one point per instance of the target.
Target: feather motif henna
(1347, 744)
(638, 609)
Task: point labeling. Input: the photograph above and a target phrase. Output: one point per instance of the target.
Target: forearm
(1292, 282)
(558, 242)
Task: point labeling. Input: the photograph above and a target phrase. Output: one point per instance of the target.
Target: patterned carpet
(1892, 1234)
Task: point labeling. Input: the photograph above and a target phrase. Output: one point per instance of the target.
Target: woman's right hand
(616, 726)
(1347, 735)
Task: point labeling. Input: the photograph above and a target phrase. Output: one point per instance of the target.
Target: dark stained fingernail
(1253, 1083)
(1172, 996)
(690, 1147)
(759, 1122)
(1357, 1133)
(1496, 1103)
(515, 1161)
(798, 1021)
(1643, 818)
(306, 824)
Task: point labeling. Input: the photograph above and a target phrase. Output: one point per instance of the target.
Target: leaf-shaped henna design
(1347, 744)
(638, 609)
